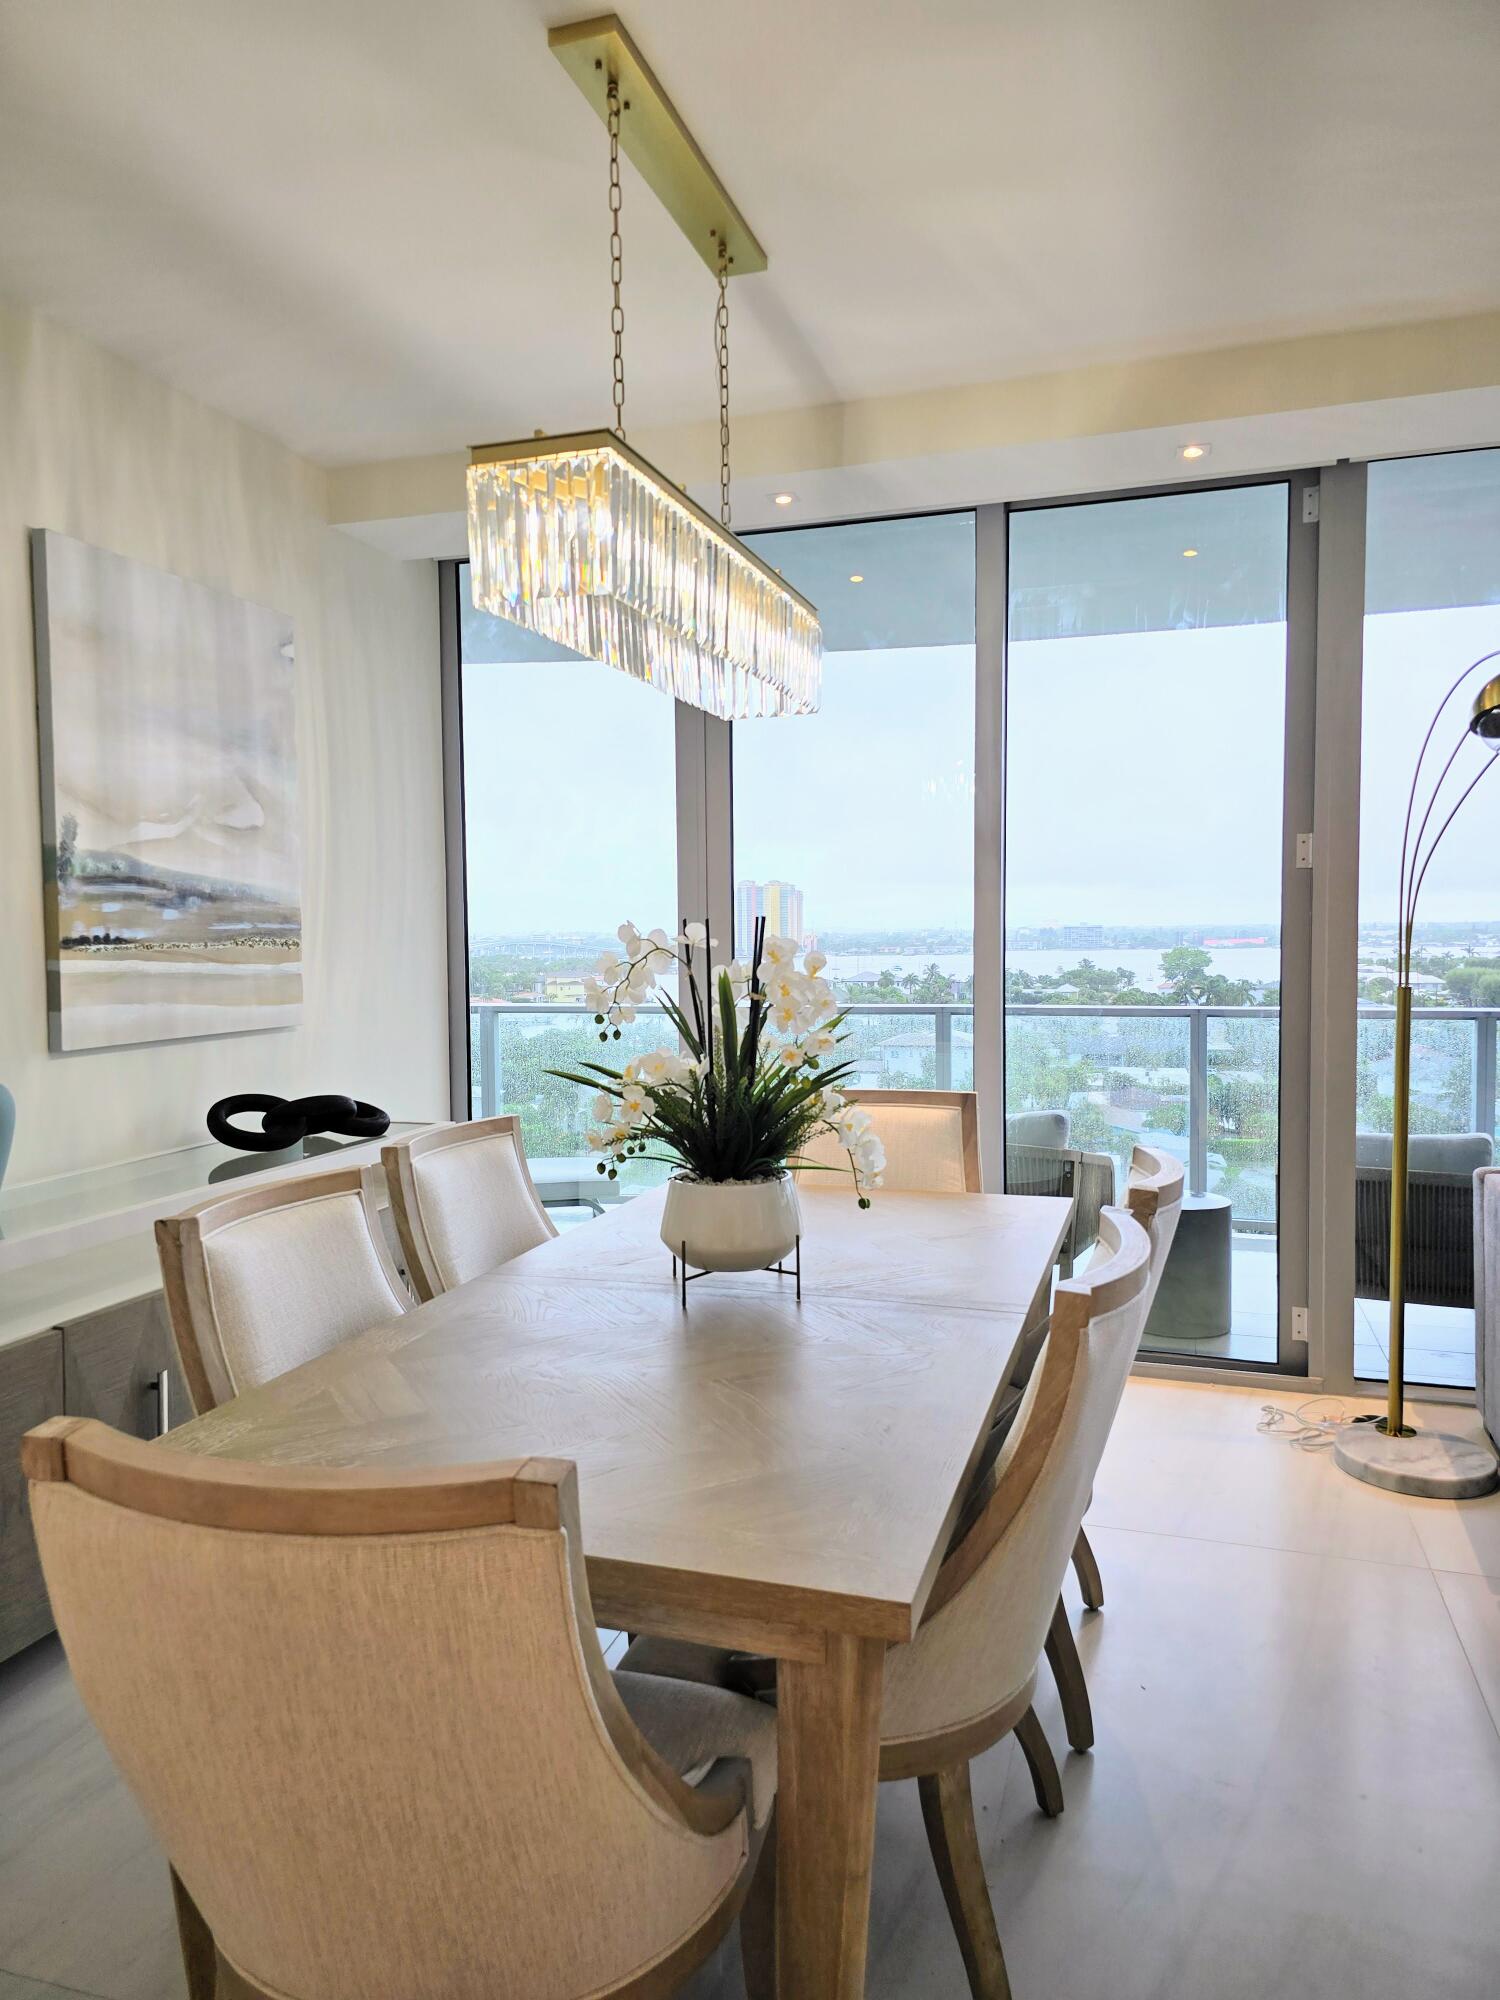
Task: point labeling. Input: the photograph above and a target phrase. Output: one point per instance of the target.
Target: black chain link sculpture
(286, 1121)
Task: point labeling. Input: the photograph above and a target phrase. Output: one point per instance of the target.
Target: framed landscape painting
(169, 803)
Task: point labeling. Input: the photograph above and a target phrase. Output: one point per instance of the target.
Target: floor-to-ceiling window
(570, 828)
(1158, 781)
(1146, 714)
(854, 828)
(1432, 606)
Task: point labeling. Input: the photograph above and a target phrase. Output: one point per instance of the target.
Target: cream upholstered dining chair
(263, 1279)
(1153, 1195)
(931, 1140)
(967, 1677)
(464, 1201)
(369, 1721)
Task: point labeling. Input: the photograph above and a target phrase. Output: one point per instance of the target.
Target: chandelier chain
(616, 260)
(721, 348)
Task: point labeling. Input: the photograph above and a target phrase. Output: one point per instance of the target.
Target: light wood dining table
(754, 1472)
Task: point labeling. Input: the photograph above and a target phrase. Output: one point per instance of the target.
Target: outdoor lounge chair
(1039, 1160)
(1439, 1216)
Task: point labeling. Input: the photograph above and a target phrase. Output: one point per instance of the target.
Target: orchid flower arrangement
(758, 1078)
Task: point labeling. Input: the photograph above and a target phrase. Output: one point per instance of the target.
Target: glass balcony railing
(1199, 1082)
(1202, 1082)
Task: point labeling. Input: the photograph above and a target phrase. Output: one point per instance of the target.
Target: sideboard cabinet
(118, 1365)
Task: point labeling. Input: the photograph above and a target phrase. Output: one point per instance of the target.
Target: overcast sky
(1144, 776)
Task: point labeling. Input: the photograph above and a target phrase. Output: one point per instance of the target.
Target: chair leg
(758, 1922)
(199, 1958)
(1038, 1754)
(948, 1814)
(1067, 1671)
(1089, 1580)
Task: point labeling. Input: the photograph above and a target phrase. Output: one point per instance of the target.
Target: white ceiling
(374, 228)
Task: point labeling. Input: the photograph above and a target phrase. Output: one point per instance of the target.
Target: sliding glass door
(1432, 606)
(1148, 841)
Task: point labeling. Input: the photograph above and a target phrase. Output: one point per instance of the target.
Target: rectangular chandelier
(580, 539)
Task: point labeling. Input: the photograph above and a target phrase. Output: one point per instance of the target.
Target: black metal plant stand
(778, 1269)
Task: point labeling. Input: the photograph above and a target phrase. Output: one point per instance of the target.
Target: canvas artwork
(169, 803)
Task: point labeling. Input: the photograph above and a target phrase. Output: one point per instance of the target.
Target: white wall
(92, 447)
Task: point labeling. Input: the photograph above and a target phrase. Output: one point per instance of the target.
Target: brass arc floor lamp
(1388, 1451)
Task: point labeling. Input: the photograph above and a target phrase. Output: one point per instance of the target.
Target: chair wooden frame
(965, 1102)
(940, 1762)
(180, 1249)
(1156, 1180)
(406, 1197)
(539, 1493)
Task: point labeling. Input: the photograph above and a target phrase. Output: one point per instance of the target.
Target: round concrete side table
(1193, 1299)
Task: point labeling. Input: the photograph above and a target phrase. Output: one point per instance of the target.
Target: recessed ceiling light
(1190, 552)
(784, 499)
(856, 578)
(1192, 451)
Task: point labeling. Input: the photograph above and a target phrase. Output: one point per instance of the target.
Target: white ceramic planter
(731, 1225)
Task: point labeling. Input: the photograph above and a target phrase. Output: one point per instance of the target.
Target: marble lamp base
(1434, 1464)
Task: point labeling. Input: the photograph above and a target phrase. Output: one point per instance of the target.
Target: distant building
(568, 991)
(780, 903)
(1074, 935)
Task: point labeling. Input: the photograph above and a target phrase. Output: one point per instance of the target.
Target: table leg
(829, 1761)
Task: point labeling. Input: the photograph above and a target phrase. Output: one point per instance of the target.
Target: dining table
(756, 1470)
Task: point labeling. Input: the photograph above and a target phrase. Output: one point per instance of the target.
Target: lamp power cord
(1306, 1427)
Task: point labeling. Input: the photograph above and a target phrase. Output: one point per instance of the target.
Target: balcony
(1201, 1082)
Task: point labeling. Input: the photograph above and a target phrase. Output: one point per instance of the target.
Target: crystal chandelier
(580, 539)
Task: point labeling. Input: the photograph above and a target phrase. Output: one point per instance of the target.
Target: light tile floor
(1295, 1789)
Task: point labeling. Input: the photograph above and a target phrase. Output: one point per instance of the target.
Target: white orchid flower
(604, 1108)
(778, 951)
(814, 963)
(791, 1055)
(696, 934)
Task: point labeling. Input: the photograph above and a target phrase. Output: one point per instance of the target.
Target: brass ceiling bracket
(655, 140)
